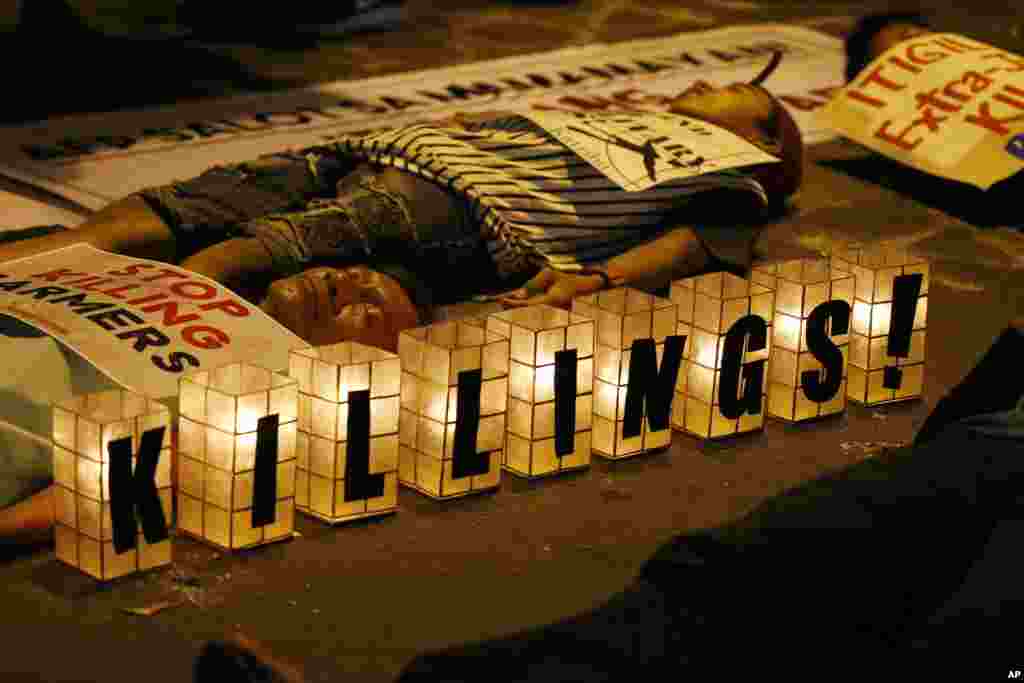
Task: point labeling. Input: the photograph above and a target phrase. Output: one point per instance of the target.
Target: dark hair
(858, 43)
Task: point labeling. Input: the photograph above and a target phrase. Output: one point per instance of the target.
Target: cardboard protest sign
(639, 154)
(140, 322)
(95, 159)
(941, 103)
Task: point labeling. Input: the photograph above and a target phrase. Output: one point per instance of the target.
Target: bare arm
(676, 254)
(127, 226)
(672, 255)
(28, 520)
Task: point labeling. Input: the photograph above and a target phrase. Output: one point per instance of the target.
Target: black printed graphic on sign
(359, 483)
(129, 492)
(264, 486)
(466, 462)
(730, 404)
(905, 290)
(647, 382)
(828, 354)
(565, 401)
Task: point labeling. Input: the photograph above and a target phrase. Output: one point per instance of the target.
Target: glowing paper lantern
(812, 316)
(347, 447)
(631, 332)
(236, 447)
(888, 323)
(550, 407)
(727, 322)
(112, 470)
(453, 406)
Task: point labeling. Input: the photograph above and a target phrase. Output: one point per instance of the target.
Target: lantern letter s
(827, 353)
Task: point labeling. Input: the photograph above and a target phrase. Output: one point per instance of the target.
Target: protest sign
(142, 323)
(638, 155)
(941, 103)
(95, 159)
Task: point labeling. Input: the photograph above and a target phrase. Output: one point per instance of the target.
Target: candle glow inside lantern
(812, 304)
(550, 392)
(727, 322)
(631, 332)
(454, 396)
(236, 447)
(888, 323)
(347, 447)
(112, 470)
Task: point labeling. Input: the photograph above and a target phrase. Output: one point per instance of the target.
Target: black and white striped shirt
(537, 201)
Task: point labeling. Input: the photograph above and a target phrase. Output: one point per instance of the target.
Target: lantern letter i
(237, 443)
(551, 370)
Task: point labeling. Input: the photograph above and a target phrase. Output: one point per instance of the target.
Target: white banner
(95, 159)
(942, 103)
(142, 323)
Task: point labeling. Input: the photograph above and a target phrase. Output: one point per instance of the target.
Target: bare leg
(30, 520)
(127, 227)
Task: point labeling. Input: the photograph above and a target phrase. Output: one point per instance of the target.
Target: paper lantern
(453, 407)
(633, 382)
(112, 470)
(347, 448)
(888, 323)
(812, 316)
(727, 321)
(550, 406)
(236, 448)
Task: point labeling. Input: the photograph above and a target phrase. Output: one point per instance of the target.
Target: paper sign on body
(638, 154)
(142, 323)
(942, 103)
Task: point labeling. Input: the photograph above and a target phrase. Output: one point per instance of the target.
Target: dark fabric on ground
(844, 572)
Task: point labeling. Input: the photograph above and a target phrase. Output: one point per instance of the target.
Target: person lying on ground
(347, 246)
(873, 36)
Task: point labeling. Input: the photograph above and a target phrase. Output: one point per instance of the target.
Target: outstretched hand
(551, 287)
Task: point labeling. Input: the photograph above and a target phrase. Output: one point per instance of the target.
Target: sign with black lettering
(566, 364)
(466, 461)
(820, 344)
(905, 291)
(751, 330)
(647, 383)
(264, 488)
(135, 492)
(359, 483)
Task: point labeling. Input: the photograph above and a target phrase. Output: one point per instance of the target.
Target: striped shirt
(536, 200)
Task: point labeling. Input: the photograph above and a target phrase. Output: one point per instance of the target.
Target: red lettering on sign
(164, 273)
(900, 139)
(228, 306)
(132, 269)
(205, 337)
(170, 309)
(205, 291)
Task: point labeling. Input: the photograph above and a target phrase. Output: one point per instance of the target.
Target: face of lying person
(328, 305)
(892, 34)
(741, 108)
